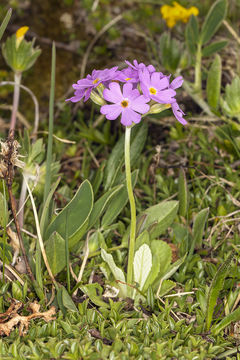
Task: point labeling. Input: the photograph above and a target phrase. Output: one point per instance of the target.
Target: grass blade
(5, 22)
(215, 288)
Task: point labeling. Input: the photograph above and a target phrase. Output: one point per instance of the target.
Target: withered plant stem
(9, 181)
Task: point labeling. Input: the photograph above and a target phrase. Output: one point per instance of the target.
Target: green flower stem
(17, 81)
(132, 207)
(198, 70)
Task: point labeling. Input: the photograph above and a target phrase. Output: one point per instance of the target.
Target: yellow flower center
(152, 90)
(127, 79)
(124, 103)
(95, 81)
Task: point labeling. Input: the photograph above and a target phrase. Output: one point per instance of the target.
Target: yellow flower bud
(20, 34)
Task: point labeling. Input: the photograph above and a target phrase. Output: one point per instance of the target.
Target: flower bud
(100, 89)
(157, 108)
(97, 99)
(20, 34)
(18, 53)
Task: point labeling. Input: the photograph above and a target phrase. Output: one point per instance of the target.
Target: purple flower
(176, 83)
(128, 102)
(140, 67)
(178, 113)
(127, 75)
(155, 86)
(84, 86)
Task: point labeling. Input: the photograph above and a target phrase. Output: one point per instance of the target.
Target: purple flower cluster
(141, 85)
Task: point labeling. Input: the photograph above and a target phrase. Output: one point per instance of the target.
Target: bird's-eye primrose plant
(131, 94)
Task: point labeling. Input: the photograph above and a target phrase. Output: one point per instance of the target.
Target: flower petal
(176, 83)
(111, 111)
(178, 113)
(114, 93)
(129, 92)
(165, 96)
(129, 116)
(158, 82)
(144, 77)
(139, 104)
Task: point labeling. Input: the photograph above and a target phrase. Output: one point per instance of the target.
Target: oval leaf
(160, 217)
(55, 251)
(79, 209)
(213, 20)
(214, 82)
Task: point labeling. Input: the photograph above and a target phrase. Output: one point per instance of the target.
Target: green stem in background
(47, 185)
(132, 207)
(198, 70)
(198, 100)
(17, 81)
(50, 126)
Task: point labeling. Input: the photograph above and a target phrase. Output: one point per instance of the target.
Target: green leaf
(100, 205)
(117, 203)
(44, 217)
(155, 220)
(116, 271)
(5, 22)
(192, 34)
(214, 82)
(67, 300)
(4, 216)
(79, 210)
(182, 193)
(198, 228)
(213, 20)
(94, 291)
(160, 217)
(171, 51)
(225, 133)
(55, 250)
(173, 268)
(231, 102)
(142, 264)
(167, 285)
(215, 288)
(213, 47)
(230, 318)
(143, 238)
(116, 159)
(162, 257)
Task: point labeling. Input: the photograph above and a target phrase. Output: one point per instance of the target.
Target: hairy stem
(132, 208)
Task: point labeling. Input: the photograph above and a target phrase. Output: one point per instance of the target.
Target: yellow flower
(20, 34)
(175, 13)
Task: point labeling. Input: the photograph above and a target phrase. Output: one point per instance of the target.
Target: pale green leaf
(116, 271)
(162, 257)
(142, 264)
